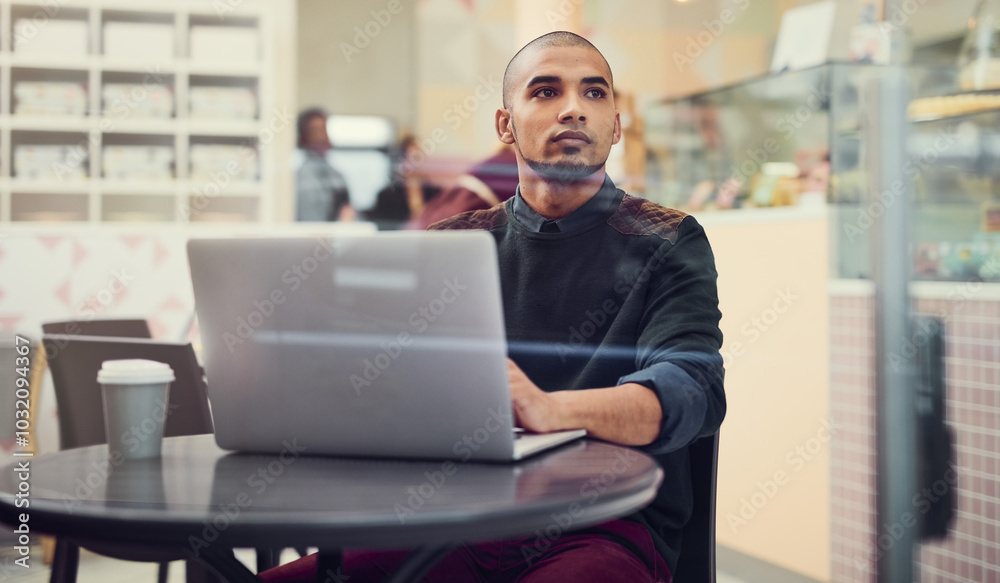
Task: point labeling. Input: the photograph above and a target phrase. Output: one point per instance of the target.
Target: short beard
(563, 172)
(558, 172)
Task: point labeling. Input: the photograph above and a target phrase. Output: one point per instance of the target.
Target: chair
(696, 563)
(74, 361)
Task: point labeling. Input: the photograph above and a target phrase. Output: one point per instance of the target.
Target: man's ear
(505, 130)
(617, 136)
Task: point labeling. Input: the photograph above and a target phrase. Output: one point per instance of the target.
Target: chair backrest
(132, 328)
(74, 361)
(696, 563)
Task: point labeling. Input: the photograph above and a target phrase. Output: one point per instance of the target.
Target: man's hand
(534, 409)
(628, 414)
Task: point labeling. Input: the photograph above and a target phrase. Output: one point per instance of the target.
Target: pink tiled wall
(972, 361)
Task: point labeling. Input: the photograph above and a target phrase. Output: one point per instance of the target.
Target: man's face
(561, 115)
(315, 135)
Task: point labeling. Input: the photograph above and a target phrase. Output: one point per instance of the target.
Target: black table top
(198, 494)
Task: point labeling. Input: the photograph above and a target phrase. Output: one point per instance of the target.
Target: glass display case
(798, 139)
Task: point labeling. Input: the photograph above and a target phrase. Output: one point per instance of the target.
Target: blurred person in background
(320, 191)
(408, 192)
(485, 185)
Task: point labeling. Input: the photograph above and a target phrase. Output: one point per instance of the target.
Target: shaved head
(559, 38)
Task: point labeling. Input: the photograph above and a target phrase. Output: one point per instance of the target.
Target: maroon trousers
(616, 551)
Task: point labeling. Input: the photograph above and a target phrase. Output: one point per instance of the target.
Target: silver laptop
(387, 345)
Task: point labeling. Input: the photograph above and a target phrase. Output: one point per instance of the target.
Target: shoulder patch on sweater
(638, 216)
(485, 219)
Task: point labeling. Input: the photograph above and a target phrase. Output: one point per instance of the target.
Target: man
(617, 296)
(321, 192)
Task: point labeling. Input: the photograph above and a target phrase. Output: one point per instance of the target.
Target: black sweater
(630, 297)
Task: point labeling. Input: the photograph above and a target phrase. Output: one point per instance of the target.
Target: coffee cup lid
(134, 371)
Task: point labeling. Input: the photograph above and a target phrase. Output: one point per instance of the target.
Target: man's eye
(545, 93)
(595, 93)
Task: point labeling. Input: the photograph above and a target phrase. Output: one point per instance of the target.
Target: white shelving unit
(246, 196)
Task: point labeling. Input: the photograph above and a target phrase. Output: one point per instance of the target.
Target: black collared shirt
(588, 212)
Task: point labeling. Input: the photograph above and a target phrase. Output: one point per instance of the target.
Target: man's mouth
(572, 138)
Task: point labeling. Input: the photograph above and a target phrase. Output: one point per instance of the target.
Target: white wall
(351, 73)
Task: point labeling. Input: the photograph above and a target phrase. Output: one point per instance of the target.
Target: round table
(208, 501)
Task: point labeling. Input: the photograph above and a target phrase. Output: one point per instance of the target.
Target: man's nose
(572, 109)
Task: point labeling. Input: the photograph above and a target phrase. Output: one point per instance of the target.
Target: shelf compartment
(58, 157)
(47, 207)
(233, 41)
(36, 32)
(136, 157)
(137, 96)
(143, 36)
(128, 208)
(223, 160)
(231, 209)
(231, 98)
(60, 92)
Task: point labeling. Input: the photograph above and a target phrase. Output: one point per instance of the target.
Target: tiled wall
(972, 362)
(852, 406)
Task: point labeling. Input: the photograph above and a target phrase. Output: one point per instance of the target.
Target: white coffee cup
(136, 393)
